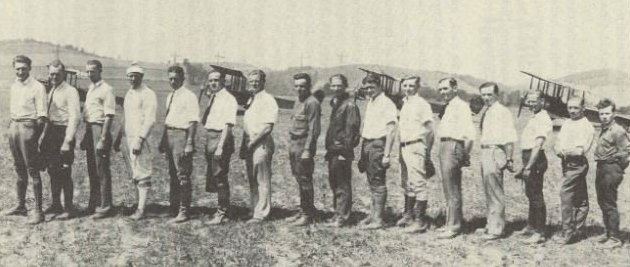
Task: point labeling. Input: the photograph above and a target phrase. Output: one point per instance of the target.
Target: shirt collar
(97, 84)
(61, 85)
(610, 126)
(26, 81)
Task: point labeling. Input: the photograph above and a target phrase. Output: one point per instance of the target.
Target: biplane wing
(392, 89)
(236, 84)
(557, 95)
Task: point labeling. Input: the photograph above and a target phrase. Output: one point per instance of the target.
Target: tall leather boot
(380, 199)
(307, 208)
(68, 192)
(38, 213)
(20, 209)
(174, 197)
(368, 220)
(55, 190)
(420, 224)
(407, 217)
(185, 190)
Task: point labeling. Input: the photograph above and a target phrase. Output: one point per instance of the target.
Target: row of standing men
(56, 115)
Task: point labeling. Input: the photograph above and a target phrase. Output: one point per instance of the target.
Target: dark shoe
(527, 231)
(303, 221)
(15, 211)
(101, 213)
(336, 223)
(489, 237)
(294, 217)
(418, 226)
(612, 243)
(36, 218)
(448, 234)
(603, 238)
(54, 209)
(138, 215)
(535, 238)
(218, 219)
(571, 238)
(68, 213)
(181, 217)
(406, 220)
(367, 220)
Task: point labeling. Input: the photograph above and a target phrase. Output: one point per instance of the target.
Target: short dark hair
(221, 74)
(305, 76)
(372, 78)
(57, 64)
(577, 98)
(413, 77)
(96, 63)
(451, 81)
(341, 77)
(260, 73)
(495, 87)
(538, 93)
(177, 70)
(22, 59)
(606, 102)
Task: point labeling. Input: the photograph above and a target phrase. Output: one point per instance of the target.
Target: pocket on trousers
(500, 158)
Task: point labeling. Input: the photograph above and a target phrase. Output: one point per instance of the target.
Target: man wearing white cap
(304, 131)
(140, 113)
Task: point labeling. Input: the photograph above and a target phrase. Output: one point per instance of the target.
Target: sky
(492, 40)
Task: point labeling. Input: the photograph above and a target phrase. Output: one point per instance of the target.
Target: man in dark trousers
(378, 134)
(57, 145)
(304, 131)
(28, 111)
(611, 155)
(98, 113)
(219, 118)
(342, 137)
(182, 115)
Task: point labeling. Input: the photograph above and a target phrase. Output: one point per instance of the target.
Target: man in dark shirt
(342, 137)
(611, 155)
(304, 131)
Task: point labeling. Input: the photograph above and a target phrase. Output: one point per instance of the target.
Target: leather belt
(213, 130)
(492, 146)
(373, 139)
(447, 139)
(23, 120)
(296, 137)
(404, 144)
(174, 128)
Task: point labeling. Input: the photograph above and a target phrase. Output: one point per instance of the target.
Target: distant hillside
(609, 83)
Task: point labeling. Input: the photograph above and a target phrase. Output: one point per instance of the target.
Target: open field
(152, 242)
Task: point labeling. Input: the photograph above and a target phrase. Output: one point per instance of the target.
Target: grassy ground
(152, 242)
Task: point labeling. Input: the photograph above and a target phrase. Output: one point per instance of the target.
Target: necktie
(207, 112)
(483, 117)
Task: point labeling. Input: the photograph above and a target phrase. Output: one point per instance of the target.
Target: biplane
(556, 96)
(236, 84)
(72, 79)
(392, 89)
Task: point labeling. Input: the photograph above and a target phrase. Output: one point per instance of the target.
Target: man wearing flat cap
(140, 114)
(304, 131)
(28, 112)
(178, 142)
(57, 144)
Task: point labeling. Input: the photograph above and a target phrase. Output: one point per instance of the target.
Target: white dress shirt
(140, 112)
(379, 112)
(28, 100)
(262, 111)
(575, 133)
(498, 126)
(539, 125)
(457, 121)
(184, 108)
(65, 108)
(222, 112)
(100, 102)
(415, 113)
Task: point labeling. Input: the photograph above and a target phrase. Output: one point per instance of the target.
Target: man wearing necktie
(182, 115)
(218, 119)
(498, 136)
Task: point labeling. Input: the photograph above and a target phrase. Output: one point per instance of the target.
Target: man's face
(488, 95)
(446, 91)
(337, 86)
(21, 70)
(534, 102)
(301, 86)
(606, 115)
(214, 82)
(93, 72)
(175, 80)
(575, 108)
(56, 75)
(372, 89)
(409, 87)
(255, 84)
(135, 79)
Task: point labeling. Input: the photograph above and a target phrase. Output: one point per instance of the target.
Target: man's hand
(116, 145)
(137, 146)
(340, 157)
(466, 160)
(100, 147)
(189, 149)
(306, 154)
(385, 161)
(218, 152)
(526, 173)
(65, 147)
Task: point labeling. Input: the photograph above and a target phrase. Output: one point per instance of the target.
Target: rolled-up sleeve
(270, 111)
(230, 111)
(466, 123)
(109, 102)
(193, 108)
(74, 113)
(41, 100)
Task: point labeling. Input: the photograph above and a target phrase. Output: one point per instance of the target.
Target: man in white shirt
(140, 114)
(533, 139)
(219, 119)
(416, 141)
(573, 142)
(58, 141)
(257, 145)
(498, 136)
(28, 111)
(178, 142)
(456, 133)
(379, 129)
(98, 113)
